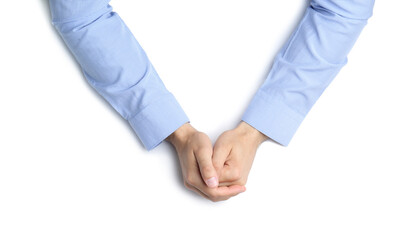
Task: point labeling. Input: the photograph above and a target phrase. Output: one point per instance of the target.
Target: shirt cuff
(273, 118)
(158, 120)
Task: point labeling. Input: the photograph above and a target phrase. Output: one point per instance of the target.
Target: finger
(225, 184)
(220, 196)
(223, 193)
(192, 188)
(194, 180)
(220, 155)
(207, 170)
(230, 173)
(195, 183)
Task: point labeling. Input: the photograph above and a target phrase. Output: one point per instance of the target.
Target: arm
(304, 67)
(116, 66)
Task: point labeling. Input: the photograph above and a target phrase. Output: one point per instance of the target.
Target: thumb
(208, 172)
(220, 155)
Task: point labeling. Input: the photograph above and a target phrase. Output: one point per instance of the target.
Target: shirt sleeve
(116, 66)
(306, 65)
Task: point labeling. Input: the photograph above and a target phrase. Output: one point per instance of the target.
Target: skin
(234, 152)
(195, 153)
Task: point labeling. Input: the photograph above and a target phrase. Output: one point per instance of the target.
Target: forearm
(116, 66)
(306, 65)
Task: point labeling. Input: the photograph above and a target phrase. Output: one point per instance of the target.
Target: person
(117, 67)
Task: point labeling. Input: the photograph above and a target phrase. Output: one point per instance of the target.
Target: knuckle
(187, 185)
(224, 199)
(190, 180)
(227, 132)
(228, 135)
(214, 199)
(213, 195)
(236, 174)
(242, 182)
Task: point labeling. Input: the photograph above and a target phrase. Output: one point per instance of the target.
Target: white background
(72, 168)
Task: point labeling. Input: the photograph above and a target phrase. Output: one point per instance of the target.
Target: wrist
(181, 135)
(252, 133)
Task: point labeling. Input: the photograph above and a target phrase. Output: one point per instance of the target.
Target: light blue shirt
(117, 67)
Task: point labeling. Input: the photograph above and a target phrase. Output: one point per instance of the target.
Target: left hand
(234, 152)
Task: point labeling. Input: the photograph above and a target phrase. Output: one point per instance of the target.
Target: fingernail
(212, 182)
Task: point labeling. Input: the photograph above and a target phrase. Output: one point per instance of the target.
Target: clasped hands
(216, 172)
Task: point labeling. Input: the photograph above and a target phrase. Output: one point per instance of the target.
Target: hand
(195, 151)
(234, 152)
